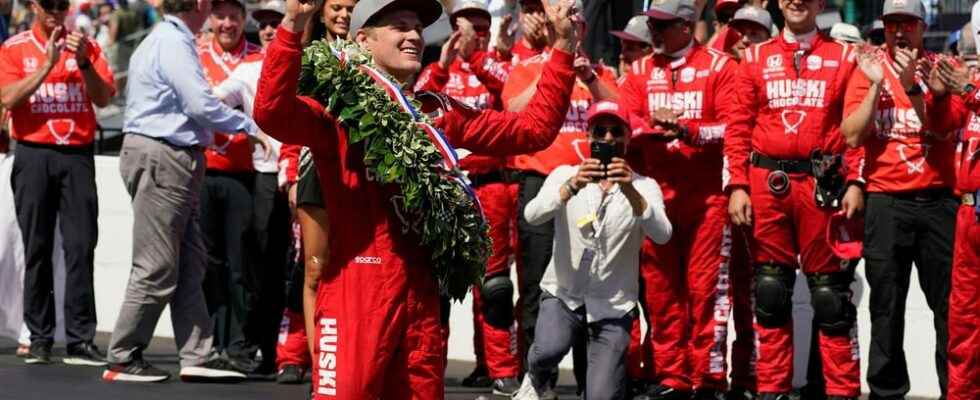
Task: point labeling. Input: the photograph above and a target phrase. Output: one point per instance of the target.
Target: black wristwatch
(84, 65)
(915, 90)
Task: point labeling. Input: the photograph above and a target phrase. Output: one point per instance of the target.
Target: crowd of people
(283, 223)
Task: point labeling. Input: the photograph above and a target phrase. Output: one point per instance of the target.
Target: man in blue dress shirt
(170, 115)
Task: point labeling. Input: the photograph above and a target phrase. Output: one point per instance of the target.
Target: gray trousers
(169, 258)
(557, 329)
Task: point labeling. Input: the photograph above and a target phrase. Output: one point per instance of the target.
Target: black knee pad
(830, 295)
(773, 290)
(498, 301)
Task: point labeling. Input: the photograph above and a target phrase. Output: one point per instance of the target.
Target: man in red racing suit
(377, 319)
(790, 95)
(680, 102)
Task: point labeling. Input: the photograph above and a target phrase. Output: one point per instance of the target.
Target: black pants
(536, 244)
(900, 230)
(226, 220)
(47, 182)
(270, 227)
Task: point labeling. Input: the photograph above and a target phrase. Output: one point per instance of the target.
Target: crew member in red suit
(964, 316)
(900, 119)
(467, 72)
(51, 79)
(377, 314)
(226, 199)
(786, 175)
(680, 102)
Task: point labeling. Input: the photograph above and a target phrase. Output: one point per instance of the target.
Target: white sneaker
(527, 390)
(216, 370)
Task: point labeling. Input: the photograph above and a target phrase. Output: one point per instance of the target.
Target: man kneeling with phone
(601, 211)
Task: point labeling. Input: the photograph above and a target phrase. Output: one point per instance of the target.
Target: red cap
(846, 236)
(610, 108)
(723, 4)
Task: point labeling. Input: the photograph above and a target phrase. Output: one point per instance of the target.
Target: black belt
(787, 166)
(924, 195)
(85, 149)
(497, 176)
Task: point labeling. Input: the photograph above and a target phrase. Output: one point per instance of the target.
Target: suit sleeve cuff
(290, 39)
(561, 57)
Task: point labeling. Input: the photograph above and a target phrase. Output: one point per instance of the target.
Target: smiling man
(902, 122)
(783, 158)
(377, 312)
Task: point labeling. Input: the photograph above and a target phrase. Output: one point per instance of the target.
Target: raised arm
(278, 109)
(508, 133)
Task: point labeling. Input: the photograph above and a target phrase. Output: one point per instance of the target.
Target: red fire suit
(478, 83)
(964, 316)
(378, 330)
(687, 281)
(789, 104)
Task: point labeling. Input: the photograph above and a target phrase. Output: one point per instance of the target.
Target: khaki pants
(168, 251)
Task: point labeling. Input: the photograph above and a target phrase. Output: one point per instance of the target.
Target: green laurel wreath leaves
(399, 152)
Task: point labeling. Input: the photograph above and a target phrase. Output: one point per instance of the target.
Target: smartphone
(604, 152)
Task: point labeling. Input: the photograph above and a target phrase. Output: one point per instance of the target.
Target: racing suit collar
(803, 41)
(682, 52)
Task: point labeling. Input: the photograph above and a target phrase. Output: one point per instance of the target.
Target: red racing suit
(790, 99)
(377, 317)
(478, 83)
(964, 316)
(687, 281)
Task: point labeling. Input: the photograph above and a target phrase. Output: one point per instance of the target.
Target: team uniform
(478, 83)
(686, 280)
(226, 211)
(377, 317)
(790, 97)
(964, 320)
(53, 178)
(909, 175)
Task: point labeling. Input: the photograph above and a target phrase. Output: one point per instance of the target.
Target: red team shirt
(899, 155)
(60, 111)
(700, 85)
(228, 153)
(571, 146)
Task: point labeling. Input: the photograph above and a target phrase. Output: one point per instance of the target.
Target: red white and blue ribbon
(450, 160)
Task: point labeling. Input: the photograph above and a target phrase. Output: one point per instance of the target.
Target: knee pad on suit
(830, 295)
(498, 301)
(773, 290)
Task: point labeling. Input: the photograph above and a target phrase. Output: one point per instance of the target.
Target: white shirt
(607, 281)
(239, 90)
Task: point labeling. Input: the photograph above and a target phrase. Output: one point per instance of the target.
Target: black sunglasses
(49, 5)
(617, 131)
(265, 24)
